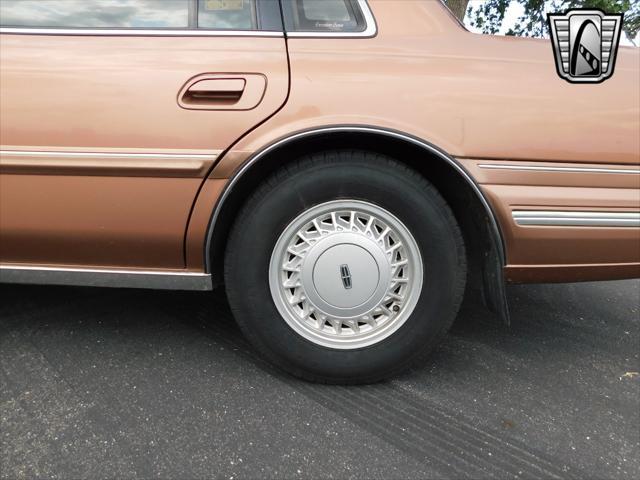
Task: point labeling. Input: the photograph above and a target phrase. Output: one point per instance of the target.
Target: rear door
(112, 112)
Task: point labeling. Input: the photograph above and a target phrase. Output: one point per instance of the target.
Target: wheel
(345, 267)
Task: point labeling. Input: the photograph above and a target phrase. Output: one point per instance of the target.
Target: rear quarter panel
(477, 97)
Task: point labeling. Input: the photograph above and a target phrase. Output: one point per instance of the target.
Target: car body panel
(463, 92)
(100, 165)
(563, 253)
(481, 99)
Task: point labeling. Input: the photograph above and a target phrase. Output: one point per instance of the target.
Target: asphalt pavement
(135, 384)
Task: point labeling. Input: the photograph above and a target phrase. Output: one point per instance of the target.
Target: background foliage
(489, 16)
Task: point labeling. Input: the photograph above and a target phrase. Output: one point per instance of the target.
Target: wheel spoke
(401, 263)
(292, 282)
(367, 228)
(337, 325)
(353, 324)
(370, 320)
(393, 248)
(384, 234)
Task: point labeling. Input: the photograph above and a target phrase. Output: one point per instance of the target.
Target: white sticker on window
(216, 5)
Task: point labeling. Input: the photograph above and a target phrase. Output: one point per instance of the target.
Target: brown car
(347, 168)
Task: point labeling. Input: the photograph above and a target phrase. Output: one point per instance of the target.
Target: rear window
(323, 16)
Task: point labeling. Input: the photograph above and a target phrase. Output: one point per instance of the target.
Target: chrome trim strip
(371, 28)
(130, 32)
(105, 163)
(43, 153)
(362, 129)
(576, 218)
(86, 277)
(560, 169)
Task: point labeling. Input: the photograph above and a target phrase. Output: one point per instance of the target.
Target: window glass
(323, 16)
(227, 14)
(95, 13)
(329, 10)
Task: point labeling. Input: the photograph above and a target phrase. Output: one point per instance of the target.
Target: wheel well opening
(484, 250)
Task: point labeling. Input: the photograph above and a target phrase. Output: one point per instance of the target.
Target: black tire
(320, 178)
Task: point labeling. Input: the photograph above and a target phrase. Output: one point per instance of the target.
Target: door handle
(223, 92)
(220, 91)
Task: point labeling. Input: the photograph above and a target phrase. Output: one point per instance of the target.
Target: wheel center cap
(345, 275)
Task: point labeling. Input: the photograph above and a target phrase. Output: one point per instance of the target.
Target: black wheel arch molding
(491, 281)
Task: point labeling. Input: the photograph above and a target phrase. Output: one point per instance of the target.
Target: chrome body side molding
(82, 154)
(111, 163)
(576, 218)
(148, 279)
(536, 168)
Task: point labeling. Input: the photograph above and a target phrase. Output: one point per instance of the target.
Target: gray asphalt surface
(138, 384)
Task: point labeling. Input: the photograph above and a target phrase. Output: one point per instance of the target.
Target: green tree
(489, 16)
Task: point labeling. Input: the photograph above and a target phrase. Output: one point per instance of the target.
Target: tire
(341, 263)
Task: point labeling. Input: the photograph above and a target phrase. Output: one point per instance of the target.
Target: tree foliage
(489, 15)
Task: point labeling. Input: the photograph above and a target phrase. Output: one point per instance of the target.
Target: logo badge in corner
(585, 43)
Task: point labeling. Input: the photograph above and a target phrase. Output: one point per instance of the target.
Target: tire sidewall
(415, 203)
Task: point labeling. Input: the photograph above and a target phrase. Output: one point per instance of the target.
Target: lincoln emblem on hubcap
(345, 274)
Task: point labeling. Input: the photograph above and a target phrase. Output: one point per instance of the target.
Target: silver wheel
(345, 274)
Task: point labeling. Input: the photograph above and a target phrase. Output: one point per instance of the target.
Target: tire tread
(333, 159)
